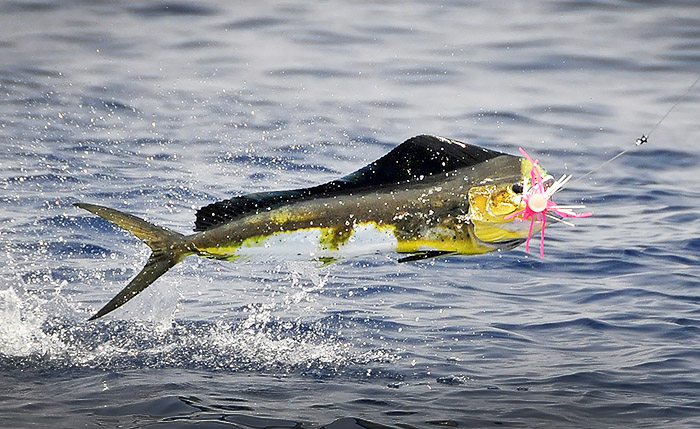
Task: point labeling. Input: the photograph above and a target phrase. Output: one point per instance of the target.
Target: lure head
(491, 203)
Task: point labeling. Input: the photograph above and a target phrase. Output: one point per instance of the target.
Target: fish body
(429, 196)
(430, 214)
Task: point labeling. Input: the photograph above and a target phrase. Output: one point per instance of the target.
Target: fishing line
(538, 198)
(645, 137)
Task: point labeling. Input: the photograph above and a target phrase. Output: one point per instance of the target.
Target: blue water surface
(160, 107)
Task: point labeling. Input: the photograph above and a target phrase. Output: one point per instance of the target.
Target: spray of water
(46, 331)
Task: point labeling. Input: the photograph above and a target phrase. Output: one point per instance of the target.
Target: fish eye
(517, 188)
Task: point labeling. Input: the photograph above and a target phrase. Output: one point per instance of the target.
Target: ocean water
(160, 107)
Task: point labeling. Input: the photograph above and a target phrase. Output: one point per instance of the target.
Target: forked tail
(168, 249)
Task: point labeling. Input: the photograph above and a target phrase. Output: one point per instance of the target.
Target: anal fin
(425, 255)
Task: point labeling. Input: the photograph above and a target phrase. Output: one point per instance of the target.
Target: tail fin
(166, 245)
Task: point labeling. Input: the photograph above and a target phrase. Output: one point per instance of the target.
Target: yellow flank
(228, 252)
(471, 247)
(332, 238)
(495, 232)
(445, 239)
(224, 253)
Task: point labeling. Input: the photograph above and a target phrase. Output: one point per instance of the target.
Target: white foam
(21, 321)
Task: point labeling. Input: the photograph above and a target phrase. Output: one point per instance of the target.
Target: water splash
(261, 338)
(21, 321)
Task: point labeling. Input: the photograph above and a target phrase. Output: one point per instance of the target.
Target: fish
(430, 196)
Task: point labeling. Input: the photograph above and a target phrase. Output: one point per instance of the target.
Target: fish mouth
(547, 182)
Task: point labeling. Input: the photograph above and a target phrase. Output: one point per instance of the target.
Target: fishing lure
(539, 204)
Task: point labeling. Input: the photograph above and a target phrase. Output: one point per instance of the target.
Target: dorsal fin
(418, 156)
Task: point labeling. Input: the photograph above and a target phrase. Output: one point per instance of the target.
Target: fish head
(492, 200)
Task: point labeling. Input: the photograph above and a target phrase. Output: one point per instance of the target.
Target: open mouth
(547, 181)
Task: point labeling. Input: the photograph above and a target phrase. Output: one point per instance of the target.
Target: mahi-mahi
(430, 196)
